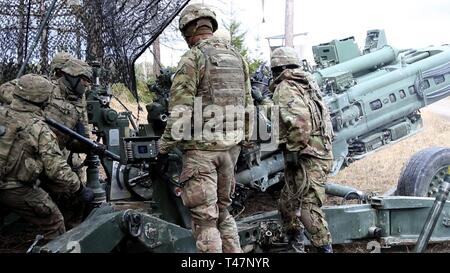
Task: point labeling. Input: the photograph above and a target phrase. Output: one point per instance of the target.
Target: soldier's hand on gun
(101, 148)
(256, 94)
(162, 157)
(86, 194)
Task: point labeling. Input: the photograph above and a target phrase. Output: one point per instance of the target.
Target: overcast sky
(407, 23)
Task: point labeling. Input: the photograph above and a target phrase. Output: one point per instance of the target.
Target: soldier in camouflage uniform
(29, 148)
(67, 105)
(305, 136)
(215, 73)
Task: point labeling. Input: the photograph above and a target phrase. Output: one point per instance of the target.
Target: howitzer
(371, 105)
(162, 223)
(96, 148)
(374, 98)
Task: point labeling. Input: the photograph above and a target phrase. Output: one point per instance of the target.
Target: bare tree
(114, 32)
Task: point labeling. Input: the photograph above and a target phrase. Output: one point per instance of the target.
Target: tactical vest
(320, 142)
(65, 112)
(18, 163)
(223, 83)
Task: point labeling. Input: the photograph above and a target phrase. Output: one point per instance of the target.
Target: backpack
(8, 135)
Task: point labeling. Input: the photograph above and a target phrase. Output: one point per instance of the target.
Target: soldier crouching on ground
(28, 149)
(215, 73)
(305, 136)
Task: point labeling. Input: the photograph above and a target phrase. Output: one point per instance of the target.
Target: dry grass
(131, 106)
(380, 171)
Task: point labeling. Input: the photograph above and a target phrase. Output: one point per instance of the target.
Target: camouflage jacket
(34, 150)
(69, 110)
(63, 107)
(305, 124)
(187, 87)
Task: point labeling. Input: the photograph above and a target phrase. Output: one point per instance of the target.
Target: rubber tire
(416, 175)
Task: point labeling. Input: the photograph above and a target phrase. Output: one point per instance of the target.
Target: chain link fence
(113, 32)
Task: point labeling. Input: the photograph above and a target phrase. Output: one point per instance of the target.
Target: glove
(256, 94)
(162, 158)
(101, 148)
(86, 194)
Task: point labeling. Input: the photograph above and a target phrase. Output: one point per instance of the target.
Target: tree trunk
(156, 58)
(44, 42)
(289, 24)
(21, 33)
(93, 22)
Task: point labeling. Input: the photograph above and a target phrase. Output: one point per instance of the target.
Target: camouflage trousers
(71, 206)
(209, 183)
(302, 197)
(35, 206)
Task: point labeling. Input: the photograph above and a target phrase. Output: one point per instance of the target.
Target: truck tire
(424, 172)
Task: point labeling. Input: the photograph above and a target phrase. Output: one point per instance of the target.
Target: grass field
(380, 171)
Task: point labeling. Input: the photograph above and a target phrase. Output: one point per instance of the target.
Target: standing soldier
(213, 72)
(28, 149)
(305, 136)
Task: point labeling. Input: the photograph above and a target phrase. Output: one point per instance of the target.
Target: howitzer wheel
(424, 172)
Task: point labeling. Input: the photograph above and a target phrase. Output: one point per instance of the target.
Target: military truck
(374, 99)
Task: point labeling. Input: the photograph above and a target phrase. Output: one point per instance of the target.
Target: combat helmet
(284, 56)
(77, 68)
(59, 60)
(33, 88)
(195, 12)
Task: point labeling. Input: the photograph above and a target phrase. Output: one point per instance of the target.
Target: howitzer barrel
(378, 58)
(258, 176)
(400, 78)
(91, 144)
(343, 191)
(412, 70)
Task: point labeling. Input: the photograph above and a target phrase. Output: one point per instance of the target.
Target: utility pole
(156, 57)
(289, 24)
